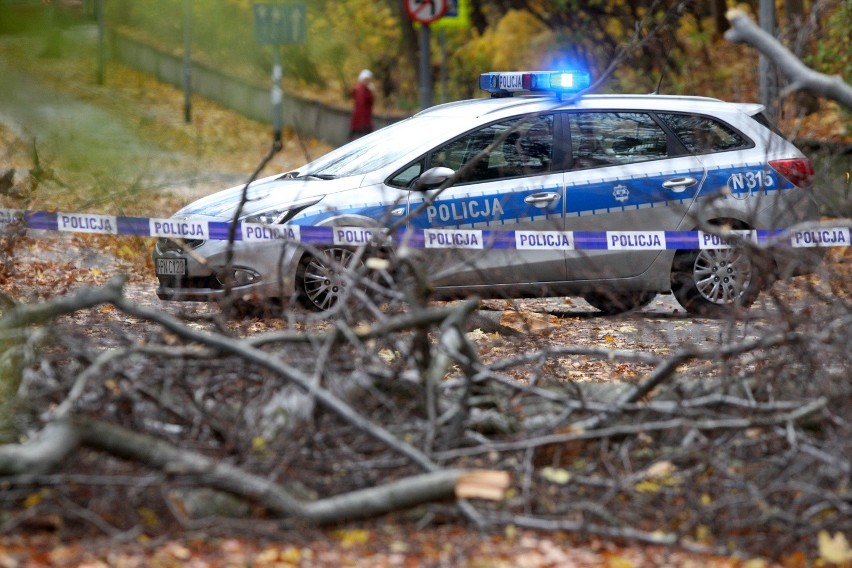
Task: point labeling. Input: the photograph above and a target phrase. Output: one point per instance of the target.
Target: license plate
(171, 266)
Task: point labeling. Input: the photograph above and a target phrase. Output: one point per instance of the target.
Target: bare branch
(60, 438)
(744, 30)
(635, 429)
(249, 353)
(42, 453)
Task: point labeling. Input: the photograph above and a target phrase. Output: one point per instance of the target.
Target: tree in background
(676, 40)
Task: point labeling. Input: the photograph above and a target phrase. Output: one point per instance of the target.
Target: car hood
(275, 192)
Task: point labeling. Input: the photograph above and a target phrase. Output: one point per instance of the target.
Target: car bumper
(793, 208)
(256, 270)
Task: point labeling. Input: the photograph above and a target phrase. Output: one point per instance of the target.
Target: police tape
(192, 229)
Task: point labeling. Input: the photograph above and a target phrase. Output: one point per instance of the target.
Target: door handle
(541, 199)
(679, 184)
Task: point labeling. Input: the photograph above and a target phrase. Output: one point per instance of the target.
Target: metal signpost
(187, 61)
(99, 14)
(425, 12)
(279, 24)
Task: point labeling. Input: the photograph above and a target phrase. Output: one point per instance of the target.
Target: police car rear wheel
(715, 282)
(612, 303)
(324, 278)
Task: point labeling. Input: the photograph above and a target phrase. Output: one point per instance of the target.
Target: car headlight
(279, 216)
(274, 217)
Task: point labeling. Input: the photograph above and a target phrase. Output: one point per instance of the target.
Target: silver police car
(535, 191)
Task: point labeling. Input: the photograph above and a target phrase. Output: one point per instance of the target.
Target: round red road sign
(426, 11)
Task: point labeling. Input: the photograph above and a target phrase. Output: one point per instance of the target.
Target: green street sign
(280, 23)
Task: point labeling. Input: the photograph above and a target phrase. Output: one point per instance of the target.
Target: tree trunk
(720, 22)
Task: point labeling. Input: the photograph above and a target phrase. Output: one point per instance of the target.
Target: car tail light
(800, 171)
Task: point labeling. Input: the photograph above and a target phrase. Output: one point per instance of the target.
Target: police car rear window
(615, 138)
(703, 134)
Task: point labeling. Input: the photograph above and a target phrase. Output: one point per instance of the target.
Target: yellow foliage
(702, 534)
(497, 49)
(556, 475)
(34, 499)
(658, 476)
(352, 537)
(149, 517)
(648, 486)
(619, 562)
(834, 549)
(291, 555)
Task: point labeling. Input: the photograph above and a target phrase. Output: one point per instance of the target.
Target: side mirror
(432, 178)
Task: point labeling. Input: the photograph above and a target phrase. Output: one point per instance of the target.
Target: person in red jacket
(362, 112)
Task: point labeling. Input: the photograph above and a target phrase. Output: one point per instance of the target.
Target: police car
(535, 191)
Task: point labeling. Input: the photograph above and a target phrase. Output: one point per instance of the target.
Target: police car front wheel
(324, 277)
(329, 276)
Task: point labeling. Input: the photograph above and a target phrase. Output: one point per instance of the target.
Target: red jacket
(362, 113)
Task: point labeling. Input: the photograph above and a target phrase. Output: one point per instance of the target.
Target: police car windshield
(380, 148)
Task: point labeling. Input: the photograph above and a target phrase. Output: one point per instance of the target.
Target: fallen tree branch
(272, 363)
(42, 453)
(60, 438)
(636, 429)
(744, 30)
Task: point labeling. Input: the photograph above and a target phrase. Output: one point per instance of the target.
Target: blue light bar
(501, 84)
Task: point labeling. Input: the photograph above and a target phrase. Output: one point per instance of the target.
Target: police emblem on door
(621, 193)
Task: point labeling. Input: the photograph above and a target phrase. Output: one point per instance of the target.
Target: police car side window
(523, 147)
(614, 138)
(702, 134)
(406, 176)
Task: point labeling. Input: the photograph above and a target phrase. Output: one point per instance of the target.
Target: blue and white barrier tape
(836, 236)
